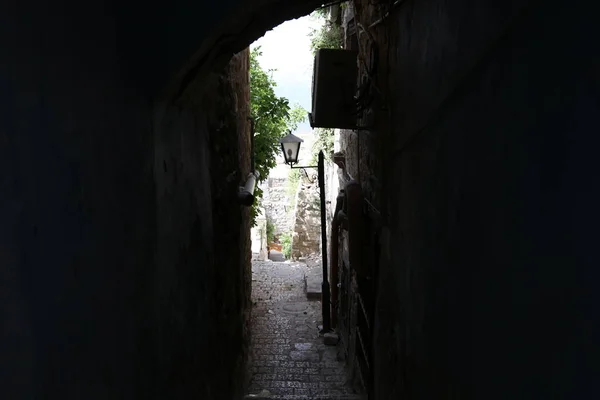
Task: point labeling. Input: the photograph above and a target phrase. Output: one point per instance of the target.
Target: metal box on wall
(333, 89)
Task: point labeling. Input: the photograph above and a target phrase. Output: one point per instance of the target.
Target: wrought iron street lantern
(290, 146)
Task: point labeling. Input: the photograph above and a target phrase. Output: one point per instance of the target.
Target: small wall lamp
(246, 192)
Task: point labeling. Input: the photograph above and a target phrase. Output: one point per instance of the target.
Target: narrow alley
(289, 359)
(446, 174)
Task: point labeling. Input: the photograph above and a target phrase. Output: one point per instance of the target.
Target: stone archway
(248, 21)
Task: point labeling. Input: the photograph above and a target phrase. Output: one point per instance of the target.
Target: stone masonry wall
(306, 239)
(488, 252)
(279, 205)
(203, 249)
(232, 222)
(485, 219)
(258, 236)
(332, 187)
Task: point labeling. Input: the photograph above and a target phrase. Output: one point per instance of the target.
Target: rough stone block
(313, 280)
(331, 339)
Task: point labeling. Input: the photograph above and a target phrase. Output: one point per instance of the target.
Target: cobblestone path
(289, 359)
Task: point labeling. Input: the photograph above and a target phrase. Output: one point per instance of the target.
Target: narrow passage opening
(289, 355)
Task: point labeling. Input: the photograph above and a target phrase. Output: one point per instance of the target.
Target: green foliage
(292, 183)
(327, 36)
(322, 12)
(324, 141)
(273, 117)
(263, 231)
(270, 232)
(316, 203)
(286, 244)
(297, 116)
(270, 114)
(258, 195)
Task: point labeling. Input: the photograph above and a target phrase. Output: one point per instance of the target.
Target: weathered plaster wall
(486, 285)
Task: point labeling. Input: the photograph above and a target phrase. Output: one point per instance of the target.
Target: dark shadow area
(125, 255)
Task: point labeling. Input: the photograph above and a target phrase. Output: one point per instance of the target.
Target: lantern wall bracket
(308, 166)
(304, 170)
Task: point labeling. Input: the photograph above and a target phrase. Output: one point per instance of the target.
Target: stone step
(313, 281)
(300, 397)
(277, 256)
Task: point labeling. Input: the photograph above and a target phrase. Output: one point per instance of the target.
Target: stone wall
(306, 238)
(232, 268)
(122, 244)
(307, 221)
(109, 244)
(485, 219)
(279, 205)
(332, 186)
(278, 201)
(200, 226)
(258, 236)
(488, 269)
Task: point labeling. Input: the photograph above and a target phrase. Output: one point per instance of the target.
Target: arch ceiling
(248, 21)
